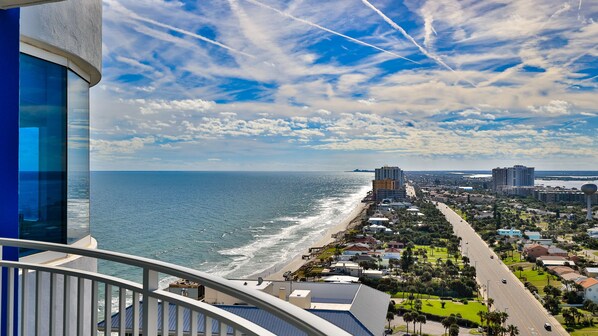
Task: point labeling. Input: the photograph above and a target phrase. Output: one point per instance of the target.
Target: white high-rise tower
(589, 189)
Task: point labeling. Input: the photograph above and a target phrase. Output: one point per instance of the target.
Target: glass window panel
(78, 158)
(42, 150)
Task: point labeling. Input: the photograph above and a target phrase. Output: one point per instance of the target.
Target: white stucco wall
(591, 293)
(72, 28)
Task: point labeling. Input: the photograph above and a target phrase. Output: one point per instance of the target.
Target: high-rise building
(517, 180)
(389, 182)
(390, 173)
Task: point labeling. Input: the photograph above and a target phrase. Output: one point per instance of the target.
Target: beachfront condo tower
(389, 183)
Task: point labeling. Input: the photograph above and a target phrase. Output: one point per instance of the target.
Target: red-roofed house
(391, 253)
(534, 251)
(356, 249)
(395, 244)
(590, 288)
(560, 270)
(369, 240)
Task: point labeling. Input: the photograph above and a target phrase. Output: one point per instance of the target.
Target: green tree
(421, 319)
(454, 330)
(389, 316)
(447, 322)
(418, 305)
(551, 303)
(568, 317)
(408, 317)
(512, 330)
(482, 315)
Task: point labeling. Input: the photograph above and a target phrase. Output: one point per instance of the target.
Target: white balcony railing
(54, 300)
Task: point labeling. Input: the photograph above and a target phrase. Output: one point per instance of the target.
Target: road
(524, 310)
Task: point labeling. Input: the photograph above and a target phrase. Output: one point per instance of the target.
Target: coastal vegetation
(432, 278)
(560, 227)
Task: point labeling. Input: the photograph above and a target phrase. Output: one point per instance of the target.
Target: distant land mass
(362, 171)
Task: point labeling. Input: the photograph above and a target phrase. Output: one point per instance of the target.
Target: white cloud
(157, 106)
(555, 107)
(305, 87)
(103, 147)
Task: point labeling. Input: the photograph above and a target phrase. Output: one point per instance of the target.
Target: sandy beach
(297, 261)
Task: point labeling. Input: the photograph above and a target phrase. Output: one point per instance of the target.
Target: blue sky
(343, 84)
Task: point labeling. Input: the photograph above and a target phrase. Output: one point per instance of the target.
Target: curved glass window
(53, 152)
(42, 150)
(77, 158)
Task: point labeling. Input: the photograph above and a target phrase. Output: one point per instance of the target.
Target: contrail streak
(188, 33)
(407, 36)
(119, 7)
(315, 25)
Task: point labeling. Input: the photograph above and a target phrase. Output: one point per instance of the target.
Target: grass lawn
(538, 280)
(405, 295)
(439, 252)
(589, 331)
(516, 259)
(467, 311)
(327, 253)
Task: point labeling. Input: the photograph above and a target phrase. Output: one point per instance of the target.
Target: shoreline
(274, 273)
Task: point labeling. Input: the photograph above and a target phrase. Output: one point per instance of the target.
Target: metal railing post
(150, 304)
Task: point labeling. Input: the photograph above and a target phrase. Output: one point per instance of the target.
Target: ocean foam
(278, 248)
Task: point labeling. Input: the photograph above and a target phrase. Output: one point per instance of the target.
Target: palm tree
(421, 318)
(512, 330)
(446, 323)
(407, 317)
(389, 317)
(454, 330)
(418, 305)
(503, 317)
(482, 315)
(490, 303)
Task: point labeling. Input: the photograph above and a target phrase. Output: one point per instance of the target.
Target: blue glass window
(78, 158)
(42, 150)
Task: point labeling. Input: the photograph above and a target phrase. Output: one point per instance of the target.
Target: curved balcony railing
(61, 301)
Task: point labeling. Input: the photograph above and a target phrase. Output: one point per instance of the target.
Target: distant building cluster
(516, 180)
(389, 183)
(559, 195)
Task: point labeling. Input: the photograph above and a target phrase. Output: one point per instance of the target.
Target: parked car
(547, 326)
(504, 281)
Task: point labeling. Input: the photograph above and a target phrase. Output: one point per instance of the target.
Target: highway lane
(524, 310)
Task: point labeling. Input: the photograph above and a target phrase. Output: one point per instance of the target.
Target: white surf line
(407, 36)
(315, 25)
(119, 7)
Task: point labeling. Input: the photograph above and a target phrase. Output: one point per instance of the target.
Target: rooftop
(343, 319)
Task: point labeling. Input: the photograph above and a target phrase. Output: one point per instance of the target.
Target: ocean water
(232, 224)
(566, 183)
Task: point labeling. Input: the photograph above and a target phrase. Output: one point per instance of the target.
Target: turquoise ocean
(232, 224)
